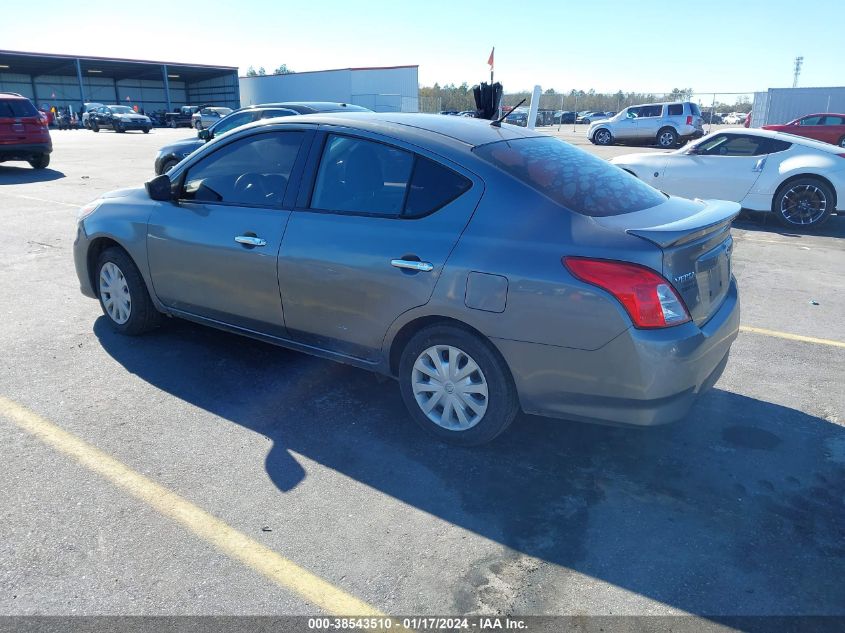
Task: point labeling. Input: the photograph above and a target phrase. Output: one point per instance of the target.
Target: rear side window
(433, 186)
(775, 145)
(696, 111)
(676, 109)
(570, 176)
(834, 120)
(17, 108)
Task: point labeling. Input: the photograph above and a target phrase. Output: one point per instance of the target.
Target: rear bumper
(695, 134)
(24, 151)
(642, 377)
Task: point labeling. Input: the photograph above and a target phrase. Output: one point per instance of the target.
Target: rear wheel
(667, 137)
(146, 130)
(40, 162)
(804, 202)
(456, 386)
(123, 294)
(603, 137)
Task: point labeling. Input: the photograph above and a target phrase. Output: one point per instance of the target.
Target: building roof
(334, 70)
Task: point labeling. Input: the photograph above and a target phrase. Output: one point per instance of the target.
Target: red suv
(826, 127)
(23, 132)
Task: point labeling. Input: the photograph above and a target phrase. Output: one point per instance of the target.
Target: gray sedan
(489, 269)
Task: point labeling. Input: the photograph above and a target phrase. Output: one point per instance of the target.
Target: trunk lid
(695, 238)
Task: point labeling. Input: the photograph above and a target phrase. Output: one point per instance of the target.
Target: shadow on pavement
(766, 222)
(736, 510)
(24, 175)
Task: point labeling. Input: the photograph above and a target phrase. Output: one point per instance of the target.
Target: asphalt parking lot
(739, 509)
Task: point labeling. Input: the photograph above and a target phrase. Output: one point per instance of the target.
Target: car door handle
(412, 265)
(250, 240)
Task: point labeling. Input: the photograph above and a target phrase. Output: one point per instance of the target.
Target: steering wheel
(250, 186)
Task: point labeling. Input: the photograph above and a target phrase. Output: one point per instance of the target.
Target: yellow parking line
(791, 337)
(227, 539)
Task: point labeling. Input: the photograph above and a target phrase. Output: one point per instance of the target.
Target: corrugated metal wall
(220, 91)
(380, 89)
(782, 105)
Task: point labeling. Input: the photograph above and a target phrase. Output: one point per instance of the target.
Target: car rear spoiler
(715, 216)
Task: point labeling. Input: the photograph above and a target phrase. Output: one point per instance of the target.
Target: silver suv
(666, 124)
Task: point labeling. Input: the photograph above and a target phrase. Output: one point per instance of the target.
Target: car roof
(783, 136)
(12, 95)
(416, 128)
(308, 107)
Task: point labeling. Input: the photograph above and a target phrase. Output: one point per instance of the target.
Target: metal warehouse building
(781, 105)
(387, 89)
(70, 80)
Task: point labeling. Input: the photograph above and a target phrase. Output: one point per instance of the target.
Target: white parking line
(15, 195)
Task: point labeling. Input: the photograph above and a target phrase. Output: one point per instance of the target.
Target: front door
(724, 167)
(213, 254)
(370, 242)
(625, 128)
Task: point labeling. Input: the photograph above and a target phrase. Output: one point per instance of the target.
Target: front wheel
(172, 124)
(456, 386)
(603, 137)
(40, 162)
(123, 294)
(146, 130)
(198, 125)
(95, 127)
(667, 137)
(842, 142)
(805, 202)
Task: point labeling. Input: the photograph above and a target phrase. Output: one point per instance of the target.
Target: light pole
(798, 62)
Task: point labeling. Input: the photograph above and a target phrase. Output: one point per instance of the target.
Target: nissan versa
(489, 269)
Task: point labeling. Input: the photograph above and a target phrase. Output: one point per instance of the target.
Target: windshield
(570, 176)
(121, 110)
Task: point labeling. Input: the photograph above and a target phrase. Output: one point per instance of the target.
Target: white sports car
(798, 179)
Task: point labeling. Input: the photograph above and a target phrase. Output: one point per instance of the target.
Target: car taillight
(689, 120)
(647, 297)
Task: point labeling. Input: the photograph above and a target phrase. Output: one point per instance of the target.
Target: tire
(667, 137)
(198, 125)
(842, 142)
(814, 199)
(172, 123)
(114, 264)
(169, 165)
(87, 125)
(40, 162)
(146, 130)
(490, 386)
(118, 127)
(602, 136)
(95, 127)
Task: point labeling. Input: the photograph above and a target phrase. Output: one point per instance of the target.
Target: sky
(608, 45)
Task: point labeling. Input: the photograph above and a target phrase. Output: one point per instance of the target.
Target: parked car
(734, 118)
(86, 112)
(206, 117)
(826, 127)
(24, 134)
(709, 117)
(183, 117)
(170, 155)
(119, 118)
(589, 117)
(365, 238)
(517, 117)
(799, 180)
(665, 124)
(469, 113)
(563, 117)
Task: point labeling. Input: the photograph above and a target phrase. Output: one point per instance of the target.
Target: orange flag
(490, 60)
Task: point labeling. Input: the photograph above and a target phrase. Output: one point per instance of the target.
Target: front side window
(361, 176)
(733, 145)
(252, 171)
(571, 177)
(810, 120)
(231, 122)
(633, 113)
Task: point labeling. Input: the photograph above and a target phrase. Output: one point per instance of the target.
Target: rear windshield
(570, 176)
(17, 108)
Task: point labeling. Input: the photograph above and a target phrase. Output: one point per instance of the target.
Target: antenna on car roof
(498, 122)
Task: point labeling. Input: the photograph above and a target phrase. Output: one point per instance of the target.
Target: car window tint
(433, 186)
(775, 145)
(676, 109)
(361, 176)
(731, 145)
(233, 121)
(834, 120)
(693, 107)
(811, 120)
(570, 176)
(253, 171)
(17, 108)
(651, 111)
(269, 114)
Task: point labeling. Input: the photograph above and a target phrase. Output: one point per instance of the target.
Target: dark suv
(169, 155)
(23, 132)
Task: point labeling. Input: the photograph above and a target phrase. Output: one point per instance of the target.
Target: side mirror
(204, 134)
(160, 188)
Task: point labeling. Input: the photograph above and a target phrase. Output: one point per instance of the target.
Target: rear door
(649, 122)
(834, 129)
(373, 227)
(724, 166)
